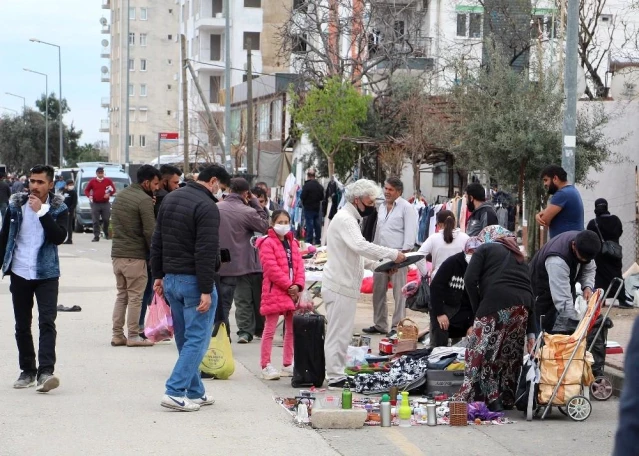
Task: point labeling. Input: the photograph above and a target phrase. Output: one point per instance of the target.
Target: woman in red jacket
(283, 269)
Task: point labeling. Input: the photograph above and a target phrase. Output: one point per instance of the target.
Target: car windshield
(120, 183)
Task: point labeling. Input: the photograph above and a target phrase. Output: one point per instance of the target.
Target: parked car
(113, 171)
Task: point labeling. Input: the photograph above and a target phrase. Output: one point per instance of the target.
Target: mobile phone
(225, 256)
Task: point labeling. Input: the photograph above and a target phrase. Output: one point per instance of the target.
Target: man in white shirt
(36, 223)
(397, 229)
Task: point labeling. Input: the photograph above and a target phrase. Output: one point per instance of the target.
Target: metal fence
(630, 243)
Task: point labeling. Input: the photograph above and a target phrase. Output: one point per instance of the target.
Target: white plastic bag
(581, 306)
(356, 356)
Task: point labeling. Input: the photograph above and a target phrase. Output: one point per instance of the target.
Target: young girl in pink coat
(283, 269)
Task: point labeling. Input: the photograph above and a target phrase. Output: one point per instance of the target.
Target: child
(283, 270)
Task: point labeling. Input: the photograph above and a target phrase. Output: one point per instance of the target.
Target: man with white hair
(349, 253)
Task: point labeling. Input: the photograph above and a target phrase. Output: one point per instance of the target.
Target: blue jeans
(313, 225)
(192, 334)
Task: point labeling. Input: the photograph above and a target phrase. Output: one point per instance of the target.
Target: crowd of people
(167, 241)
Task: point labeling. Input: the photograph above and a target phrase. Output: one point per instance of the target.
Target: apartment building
(153, 84)
(203, 23)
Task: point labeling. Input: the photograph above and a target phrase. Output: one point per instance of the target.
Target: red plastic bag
(367, 285)
(159, 322)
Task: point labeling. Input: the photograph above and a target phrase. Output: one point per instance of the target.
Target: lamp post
(24, 101)
(46, 113)
(34, 40)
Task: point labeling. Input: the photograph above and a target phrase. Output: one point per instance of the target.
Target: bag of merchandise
(218, 360)
(159, 323)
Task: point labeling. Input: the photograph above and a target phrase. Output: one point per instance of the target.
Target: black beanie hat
(588, 244)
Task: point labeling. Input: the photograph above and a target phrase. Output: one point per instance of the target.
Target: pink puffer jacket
(275, 298)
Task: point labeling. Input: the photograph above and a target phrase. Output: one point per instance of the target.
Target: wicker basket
(458, 413)
(407, 330)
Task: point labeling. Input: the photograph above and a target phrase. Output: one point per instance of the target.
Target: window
(168, 87)
(170, 10)
(214, 89)
(252, 3)
(263, 121)
(399, 29)
(276, 119)
(543, 27)
(142, 39)
(131, 39)
(216, 47)
(254, 38)
(142, 116)
(143, 90)
(132, 13)
(130, 140)
(461, 25)
(142, 141)
(168, 113)
(170, 37)
(132, 114)
(169, 62)
(143, 14)
(469, 25)
(441, 176)
(475, 25)
(131, 90)
(299, 43)
(606, 19)
(131, 65)
(218, 7)
(142, 64)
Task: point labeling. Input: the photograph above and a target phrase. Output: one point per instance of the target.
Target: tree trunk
(520, 195)
(331, 165)
(416, 175)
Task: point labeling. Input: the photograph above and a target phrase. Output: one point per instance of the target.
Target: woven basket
(458, 413)
(407, 330)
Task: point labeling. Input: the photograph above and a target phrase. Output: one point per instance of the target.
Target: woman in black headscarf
(609, 228)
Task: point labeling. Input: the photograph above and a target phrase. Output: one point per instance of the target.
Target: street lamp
(34, 40)
(24, 101)
(46, 113)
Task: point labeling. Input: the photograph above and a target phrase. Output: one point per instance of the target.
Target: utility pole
(227, 85)
(570, 89)
(249, 112)
(185, 104)
(128, 95)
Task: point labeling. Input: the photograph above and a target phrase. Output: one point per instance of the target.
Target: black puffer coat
(186, 237)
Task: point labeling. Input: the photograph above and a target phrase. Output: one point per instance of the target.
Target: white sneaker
(286, 371)
(204, 400)
(270, 373)
(181, 404)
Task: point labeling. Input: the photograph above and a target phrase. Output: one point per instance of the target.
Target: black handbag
(420, 301)
(610, 249)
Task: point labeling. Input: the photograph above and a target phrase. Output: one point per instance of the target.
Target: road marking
(402, 443)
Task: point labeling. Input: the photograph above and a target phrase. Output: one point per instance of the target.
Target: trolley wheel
(579, 408)
(601, 388)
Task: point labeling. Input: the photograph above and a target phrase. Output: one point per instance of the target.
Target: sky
(75, 26)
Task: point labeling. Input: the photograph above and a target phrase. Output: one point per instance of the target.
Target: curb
(616, 377)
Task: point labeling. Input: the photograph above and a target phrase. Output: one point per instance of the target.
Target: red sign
(169, 136)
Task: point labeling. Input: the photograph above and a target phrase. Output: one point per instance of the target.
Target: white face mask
(468, 257)
(282, 230)
(70, 187)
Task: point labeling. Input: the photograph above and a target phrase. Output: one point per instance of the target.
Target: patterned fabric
(405, 371)
(456, 283)
(489, 234)
(494, 356)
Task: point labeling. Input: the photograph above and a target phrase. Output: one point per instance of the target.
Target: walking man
(396, 229)
(185, 260)
(483, 212)
(133, 225)
(36, 224)
(312, 197)
(99, 190)
(71, 201)
(565, 211)
(241, 215)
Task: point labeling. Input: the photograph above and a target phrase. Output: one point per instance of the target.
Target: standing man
(312, 197)
(241, 215)
(133, 225)
(170, 181)
(185, 259)
(344, 271)
(71, 201)
(270, 204)
(483, 212)
(31, 234)
(396, 229)
(99, 190)
(555, 269)
(565, 211)
(5, 194)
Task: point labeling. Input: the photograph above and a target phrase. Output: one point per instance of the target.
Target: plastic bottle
(347, 397)
(385, 410)
(404, 411)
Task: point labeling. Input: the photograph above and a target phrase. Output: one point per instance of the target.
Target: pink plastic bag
(159, 322)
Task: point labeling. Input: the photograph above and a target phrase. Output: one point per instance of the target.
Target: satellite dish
(103, 21)
(104, 70)
(105, 43)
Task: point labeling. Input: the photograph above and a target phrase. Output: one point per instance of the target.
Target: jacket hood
(20, 199)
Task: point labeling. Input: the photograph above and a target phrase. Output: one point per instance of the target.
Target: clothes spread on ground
(408, 370)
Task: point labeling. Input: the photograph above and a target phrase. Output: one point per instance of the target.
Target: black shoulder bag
(610, 249)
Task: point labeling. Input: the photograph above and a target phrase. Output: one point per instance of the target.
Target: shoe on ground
(391, 333)
(203, 401)
(181, 404)
(47, 382)
(95, 240)
(626, 306)
(204, 375)
(270, 373)
(25, 380)
(138, 342)
(337, 384)
(286, 371)
(244, 339)
(372, 330)
(119, 341)
(68, 242)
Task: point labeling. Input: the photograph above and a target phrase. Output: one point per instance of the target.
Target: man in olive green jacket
(133, 221)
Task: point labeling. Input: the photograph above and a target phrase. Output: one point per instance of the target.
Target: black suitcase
(308, 334)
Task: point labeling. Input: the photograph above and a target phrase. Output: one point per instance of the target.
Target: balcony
(104, 125)
(105, 52)
(105, 102)
(106, 4)
(208, 66)
(211, 23)
(106, 77)
(106, 29)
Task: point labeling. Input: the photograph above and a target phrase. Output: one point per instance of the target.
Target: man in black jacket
(5, 194)
(312, 197)
(71, 200)
(483, 212)
(185, 260)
